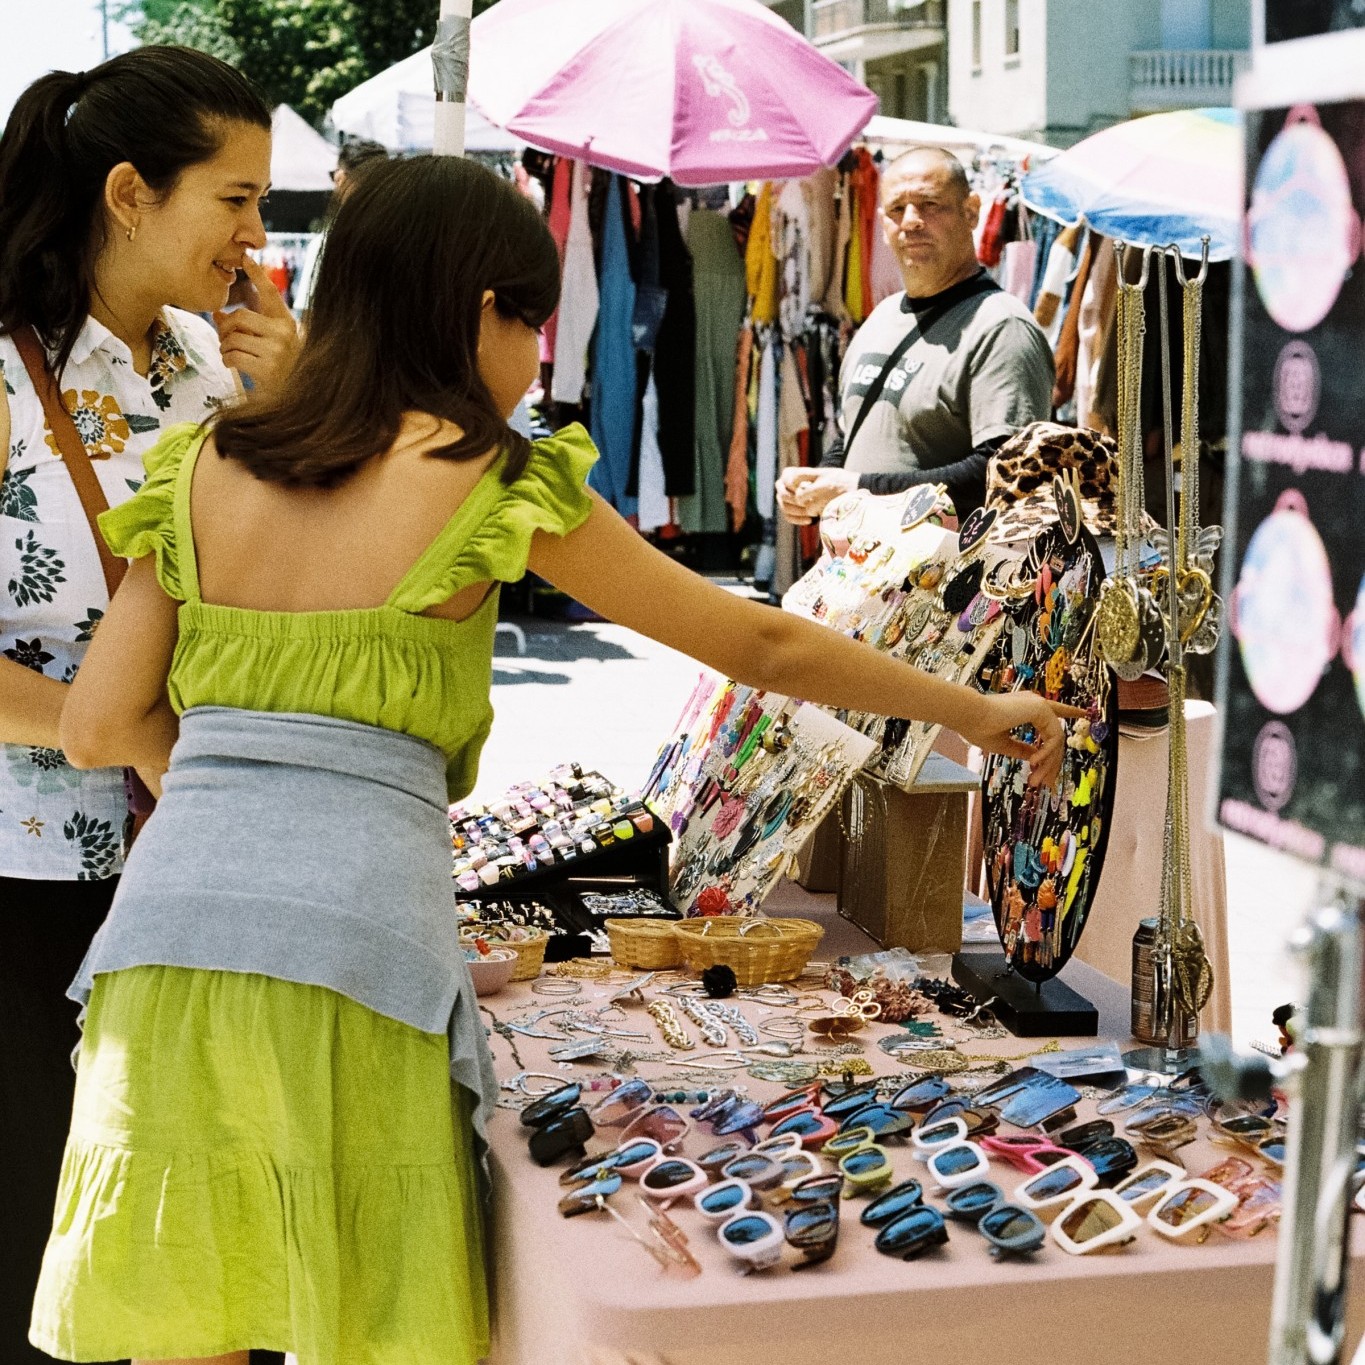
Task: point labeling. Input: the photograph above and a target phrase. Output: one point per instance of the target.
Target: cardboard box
(903, 870)
(817, 864)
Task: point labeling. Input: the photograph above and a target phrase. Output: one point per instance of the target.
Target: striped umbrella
(1152, 181)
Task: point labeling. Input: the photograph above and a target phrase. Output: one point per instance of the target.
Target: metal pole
(1307, 1310)
(450, 70)
(104, 27)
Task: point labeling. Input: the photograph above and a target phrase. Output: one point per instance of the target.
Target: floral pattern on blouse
(56, 822)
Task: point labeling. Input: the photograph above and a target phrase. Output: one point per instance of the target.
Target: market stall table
(581, 1292)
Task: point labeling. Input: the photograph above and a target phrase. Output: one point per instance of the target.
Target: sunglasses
(913, 1233)
(1259, 1207)
(980, 1122)
(753, 1237)
(1248, 1127)
(722, 1201)
(869, 1168)
(839, 1106)
(662, 1123)
(1112, 1158)
(919, 1097)
(814, 1129)
(778, 1147)
(1095, 1221)
(884, 1120)
(1011, 1230)
(849, 1140)
(812, 1228)
(667, 1242)
(1027, 1154)
(589, 1198)
(716, 1107)
(759, 1171)
(1163, 1132)
(816, 1189)
(636, 1155)
(897, 1201)
(711, 1161)
(1189, 1205)
(672, 1178)
(560, 1136)
(616, 1107)
(926, 1139)
(798, 1167)
(1057, 1186)
(1084, 1134)
(552, 1106)
(743, 1117)
(807, 1097)
(958, 1164)
(1148, 1183)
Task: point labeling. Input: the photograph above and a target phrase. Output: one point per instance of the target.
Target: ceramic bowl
(493, 971)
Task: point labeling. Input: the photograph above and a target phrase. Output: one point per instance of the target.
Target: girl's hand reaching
(1026, 726)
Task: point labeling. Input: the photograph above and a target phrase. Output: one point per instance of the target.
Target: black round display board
(1045, 850)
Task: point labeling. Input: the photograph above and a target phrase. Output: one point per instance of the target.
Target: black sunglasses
(1011, 1230)
(849, 1102)
(547, 1107)
(973, 1202)
(560, 1136)
(589, 1197)
(895, 1203)
(885, 1120)
(1111, 1157)
(921, 1096)
(912, 1233)
(1084, 1134)
(813, 1229)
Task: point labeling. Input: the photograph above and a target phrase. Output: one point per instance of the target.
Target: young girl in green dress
(264, 1152)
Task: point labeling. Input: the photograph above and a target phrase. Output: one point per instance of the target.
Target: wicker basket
(756, 950)
(648, 944)
(530, 951)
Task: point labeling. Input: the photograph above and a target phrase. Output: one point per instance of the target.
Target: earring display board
(1292, 682)
(1044, 849)
(743, 783)
(895, 579)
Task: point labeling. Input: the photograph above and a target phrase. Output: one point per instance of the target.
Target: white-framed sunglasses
(1095, 1220)
(934, 1138)
(1148, 1183)
(959, 1163)
(752, 1237)
(1189, 1205)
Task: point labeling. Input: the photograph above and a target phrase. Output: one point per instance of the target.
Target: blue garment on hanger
(613, 360)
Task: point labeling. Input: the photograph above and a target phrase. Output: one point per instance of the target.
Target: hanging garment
(1096, 308)
(560, 215)
(765, 462)
(760, 264)
(991, 246)
(793, 421)
(737, 467)
(1066, 353)
(867, 203)
(793, 212)
(719, 281)
(578, 299)
(613, 358)
(1016, 277)
(884, 271)
(823, 215)
(843, 231)
(675, 371)
(654, 506)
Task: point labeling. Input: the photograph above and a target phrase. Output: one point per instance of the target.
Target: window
(976, 35)
(1011, 28)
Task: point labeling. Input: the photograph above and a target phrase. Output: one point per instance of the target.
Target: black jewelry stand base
(1028, 1010)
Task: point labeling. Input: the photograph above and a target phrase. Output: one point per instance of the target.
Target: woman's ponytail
(159, 108)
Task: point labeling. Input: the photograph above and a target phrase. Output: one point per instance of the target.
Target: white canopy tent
(301, 159)
(397, 108)
(892, 134)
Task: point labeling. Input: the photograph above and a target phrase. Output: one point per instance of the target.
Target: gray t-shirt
(982, 371)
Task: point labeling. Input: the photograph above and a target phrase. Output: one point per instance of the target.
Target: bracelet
(670, 1026)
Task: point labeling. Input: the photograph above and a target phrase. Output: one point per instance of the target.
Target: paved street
(605, 697)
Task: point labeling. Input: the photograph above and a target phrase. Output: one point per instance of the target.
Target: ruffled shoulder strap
(149, 524)
(489, 538)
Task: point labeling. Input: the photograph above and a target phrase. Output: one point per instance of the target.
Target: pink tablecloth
(581, 1292)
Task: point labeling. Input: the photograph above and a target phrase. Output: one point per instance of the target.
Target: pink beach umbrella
(700, 90)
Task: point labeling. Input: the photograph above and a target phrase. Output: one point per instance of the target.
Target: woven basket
(648, 944)
(756, 950)
(530, 952)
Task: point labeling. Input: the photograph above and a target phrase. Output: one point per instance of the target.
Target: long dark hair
(394, 326)
(160, 108)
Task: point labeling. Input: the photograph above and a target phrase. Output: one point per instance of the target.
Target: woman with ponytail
(129, 198)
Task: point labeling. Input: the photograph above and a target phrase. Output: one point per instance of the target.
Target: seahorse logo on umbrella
(719, 83)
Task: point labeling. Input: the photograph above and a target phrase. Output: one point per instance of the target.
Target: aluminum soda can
(1149, 991)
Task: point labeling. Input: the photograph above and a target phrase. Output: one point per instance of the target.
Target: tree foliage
(305, 53)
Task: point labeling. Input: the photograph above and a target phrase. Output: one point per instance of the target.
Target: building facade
(1058, 70)
(897, 48)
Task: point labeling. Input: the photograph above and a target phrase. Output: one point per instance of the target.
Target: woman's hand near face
(263, 344)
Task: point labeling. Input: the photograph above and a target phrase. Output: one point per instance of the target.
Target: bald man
(973, 366)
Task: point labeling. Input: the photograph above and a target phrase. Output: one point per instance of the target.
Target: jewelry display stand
(1029, 1009)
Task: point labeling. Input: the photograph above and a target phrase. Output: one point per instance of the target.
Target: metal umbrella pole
(450, 68)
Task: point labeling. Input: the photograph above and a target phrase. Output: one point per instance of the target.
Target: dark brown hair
(162, 109)
(394, 325)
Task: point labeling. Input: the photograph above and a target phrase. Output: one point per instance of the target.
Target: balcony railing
(834, 18)
(1171, 80)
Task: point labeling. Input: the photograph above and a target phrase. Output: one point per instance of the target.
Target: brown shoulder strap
(72, 449)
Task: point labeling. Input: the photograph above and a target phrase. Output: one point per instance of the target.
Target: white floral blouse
(56, 823)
